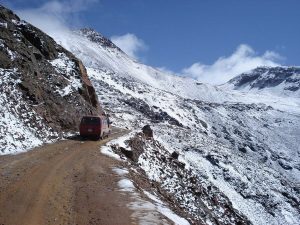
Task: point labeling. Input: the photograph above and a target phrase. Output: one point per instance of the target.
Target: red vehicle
(95, 126)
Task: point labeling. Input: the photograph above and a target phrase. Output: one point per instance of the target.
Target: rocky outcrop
(53, 82)
(94, 36)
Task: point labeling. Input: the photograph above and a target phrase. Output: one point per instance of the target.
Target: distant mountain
(283, 81)
(44, 88)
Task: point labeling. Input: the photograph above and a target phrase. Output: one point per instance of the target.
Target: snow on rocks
(20, 127)
(117, 145)
(44, 88)
(66, 67)
(105, 150)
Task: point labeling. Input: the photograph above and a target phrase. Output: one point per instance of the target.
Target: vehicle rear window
(90, 120)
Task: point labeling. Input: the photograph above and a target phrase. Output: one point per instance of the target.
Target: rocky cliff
(40, 81)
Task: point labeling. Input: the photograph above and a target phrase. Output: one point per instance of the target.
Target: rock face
(53, 82)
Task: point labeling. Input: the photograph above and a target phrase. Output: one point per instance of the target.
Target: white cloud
(55, 16)
(225, 68)
(130, 44)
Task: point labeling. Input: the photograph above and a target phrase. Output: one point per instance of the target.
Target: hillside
(239, 154)
(44, 88)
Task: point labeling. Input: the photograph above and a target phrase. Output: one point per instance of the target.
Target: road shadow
(80, 138)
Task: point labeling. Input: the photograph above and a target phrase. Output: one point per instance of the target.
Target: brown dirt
(68, 182)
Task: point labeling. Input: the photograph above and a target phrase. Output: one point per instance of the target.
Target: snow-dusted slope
(18, 130)
(243, 153)
(89, 46)
(248, 152)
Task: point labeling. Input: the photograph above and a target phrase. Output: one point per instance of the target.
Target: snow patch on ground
(105, 150)
(126, 185)
(120, 172)
(119, 142)
(166, 211)
(146, 212)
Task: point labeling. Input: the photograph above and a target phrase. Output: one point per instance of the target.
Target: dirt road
(69, 182)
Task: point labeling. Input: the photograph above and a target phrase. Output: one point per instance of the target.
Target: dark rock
(242, 149)
(147, 131)
(203, 124)
(137, 146)
(293, 201)
(175, 155)
(94, 36)
(127, 153)
(181, 165)
(212, 159)
(284, 165)
(155, 116)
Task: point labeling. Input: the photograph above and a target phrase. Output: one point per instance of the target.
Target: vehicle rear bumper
(89, 134)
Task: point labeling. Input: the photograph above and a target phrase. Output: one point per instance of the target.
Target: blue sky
(190, 36)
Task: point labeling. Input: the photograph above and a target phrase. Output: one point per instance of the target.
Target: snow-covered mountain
(239, 157)
(96, 52)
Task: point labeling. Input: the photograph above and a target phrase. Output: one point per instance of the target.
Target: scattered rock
(212, 159)
(284, 165)
(147, 131)
(181, 165)
(175, 155)
(242, 149)
(127, 153)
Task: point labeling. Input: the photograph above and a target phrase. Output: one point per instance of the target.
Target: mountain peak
(96, 37)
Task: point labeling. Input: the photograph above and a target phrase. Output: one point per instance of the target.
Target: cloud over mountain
(130, 44)
(225, 68)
